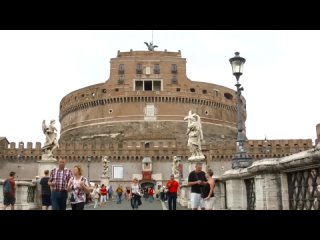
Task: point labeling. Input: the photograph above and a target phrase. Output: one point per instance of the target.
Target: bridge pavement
(125, 205)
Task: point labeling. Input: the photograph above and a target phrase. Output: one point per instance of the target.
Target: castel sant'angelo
(136, 118)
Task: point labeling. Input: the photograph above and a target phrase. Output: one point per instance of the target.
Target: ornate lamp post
(19, 160)
(89, 160)
(241, 158)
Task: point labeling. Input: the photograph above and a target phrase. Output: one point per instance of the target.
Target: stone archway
(149, 183)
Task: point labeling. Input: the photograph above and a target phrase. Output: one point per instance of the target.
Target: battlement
(163, 143)
(280, 143)
(148, 53)
(21, 146)
(125, 150)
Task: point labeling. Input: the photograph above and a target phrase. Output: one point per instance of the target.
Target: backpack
(6, 186)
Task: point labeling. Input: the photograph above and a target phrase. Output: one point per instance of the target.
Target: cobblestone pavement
(125, 205)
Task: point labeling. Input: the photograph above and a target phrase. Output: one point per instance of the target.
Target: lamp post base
(242, 161)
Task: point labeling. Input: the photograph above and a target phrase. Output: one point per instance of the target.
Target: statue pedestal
(104, 180)
(46, 163)
(194, 160)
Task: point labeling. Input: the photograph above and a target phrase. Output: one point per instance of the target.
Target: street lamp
(19, 160)
(20, 157)
(241, 158)
(89, 160)
(266, 148)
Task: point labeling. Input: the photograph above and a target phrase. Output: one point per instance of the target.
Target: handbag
(72, 199)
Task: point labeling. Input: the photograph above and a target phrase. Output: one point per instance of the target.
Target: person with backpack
(9, 191)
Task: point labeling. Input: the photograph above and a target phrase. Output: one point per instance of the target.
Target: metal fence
(31, 194)
(251, 195)
(304, 189)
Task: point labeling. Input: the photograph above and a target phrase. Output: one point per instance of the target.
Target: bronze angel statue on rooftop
(150, 46)
(51, 142)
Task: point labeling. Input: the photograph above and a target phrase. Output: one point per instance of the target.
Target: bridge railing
(287, 183)
(26, 195)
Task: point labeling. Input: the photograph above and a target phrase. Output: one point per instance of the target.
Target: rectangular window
(117, 172)
(139, 86)
(121, 68)
(174, 68)
(156, 85)
(156, 69)
(150, 110)
(147, 85)
(174, 79)
(121, 79)
(139, 69)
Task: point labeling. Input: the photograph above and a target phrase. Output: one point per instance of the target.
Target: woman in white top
(135, 194)
(95, 195)
(79, 186)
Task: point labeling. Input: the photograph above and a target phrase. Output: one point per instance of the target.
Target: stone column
(284, 191)
(25, 198)
(38, 200)
(236, 194)
(260, 192)
(219, 196)
(268, 192)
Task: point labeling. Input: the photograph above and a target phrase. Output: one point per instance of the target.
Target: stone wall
(23, 159)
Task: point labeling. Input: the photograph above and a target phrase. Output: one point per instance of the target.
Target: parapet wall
(162, 149)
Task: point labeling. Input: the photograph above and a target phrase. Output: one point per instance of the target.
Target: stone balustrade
(291, 182)
(26, 196)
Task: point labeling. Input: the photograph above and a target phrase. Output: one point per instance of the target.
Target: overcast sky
(280, 80)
